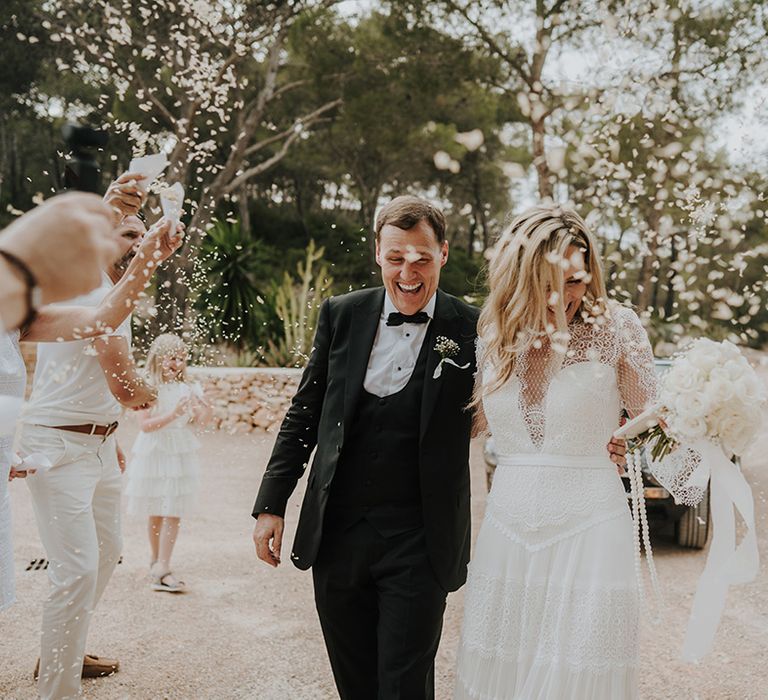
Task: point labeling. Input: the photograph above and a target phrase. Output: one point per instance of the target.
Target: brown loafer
(98, 666)
(93, 667)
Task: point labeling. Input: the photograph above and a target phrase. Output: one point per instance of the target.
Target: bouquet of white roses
(708, 409)
(710, 392)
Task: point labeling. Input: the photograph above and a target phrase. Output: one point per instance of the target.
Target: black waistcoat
(377, 475)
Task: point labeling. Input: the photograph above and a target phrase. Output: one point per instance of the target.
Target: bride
(552, 602)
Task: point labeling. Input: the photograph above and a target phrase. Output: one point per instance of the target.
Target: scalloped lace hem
(549, 683)
(517, 537)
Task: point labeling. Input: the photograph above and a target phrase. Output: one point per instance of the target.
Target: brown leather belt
(89, 428)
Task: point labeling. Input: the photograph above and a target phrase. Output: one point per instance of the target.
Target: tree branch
(253, 114)
(555, 9)
(296, 131)
(492, 44)
(574, 29)
(269, 141)
(287, 88)
(263, 166)
(157, 102)
(277, 137)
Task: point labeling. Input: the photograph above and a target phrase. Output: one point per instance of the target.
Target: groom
(385, 522)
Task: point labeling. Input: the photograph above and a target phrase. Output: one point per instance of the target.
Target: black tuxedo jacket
(323, 409)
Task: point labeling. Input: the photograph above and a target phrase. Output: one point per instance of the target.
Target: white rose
(682, 377)
(703, 356)
(735, 369)
(720, 387)
(737, 432)
(730, 351)
(689, 428)
(690, 406)
(749, 389)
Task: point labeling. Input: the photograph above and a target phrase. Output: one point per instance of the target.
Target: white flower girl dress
(164, 471)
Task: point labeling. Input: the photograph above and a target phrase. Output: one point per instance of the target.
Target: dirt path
(246, 631)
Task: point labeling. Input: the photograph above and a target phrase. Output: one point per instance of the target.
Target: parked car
(691, 524)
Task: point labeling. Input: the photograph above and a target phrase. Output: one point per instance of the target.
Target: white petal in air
(471, 140)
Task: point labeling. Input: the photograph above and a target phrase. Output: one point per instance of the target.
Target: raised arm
(60, 323)
(121, 373)
(60, 246)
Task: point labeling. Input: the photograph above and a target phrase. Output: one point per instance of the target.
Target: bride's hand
(617, 451)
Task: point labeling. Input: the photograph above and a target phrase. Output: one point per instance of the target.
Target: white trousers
(7, 579)
(77, 507)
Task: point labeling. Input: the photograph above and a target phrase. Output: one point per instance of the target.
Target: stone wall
(247, 399)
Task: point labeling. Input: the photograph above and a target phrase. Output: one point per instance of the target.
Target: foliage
(200, 80)
(231, 303)
(301, 118)
(297, 304)
(462, 275)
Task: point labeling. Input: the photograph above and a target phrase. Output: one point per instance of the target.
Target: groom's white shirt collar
(395, 351)
(389, 307)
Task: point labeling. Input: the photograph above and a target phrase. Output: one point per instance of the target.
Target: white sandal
(159, 583)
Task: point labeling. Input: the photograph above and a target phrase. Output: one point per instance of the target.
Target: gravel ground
(247, 631)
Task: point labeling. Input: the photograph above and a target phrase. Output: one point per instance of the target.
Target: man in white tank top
(79, 391)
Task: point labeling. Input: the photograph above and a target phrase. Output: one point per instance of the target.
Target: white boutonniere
(447, 349)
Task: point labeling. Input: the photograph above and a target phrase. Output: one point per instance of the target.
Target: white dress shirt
(395, 351)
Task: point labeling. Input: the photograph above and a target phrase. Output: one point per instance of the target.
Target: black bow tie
(398, 319)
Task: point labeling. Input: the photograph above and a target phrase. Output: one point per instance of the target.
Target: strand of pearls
(642, 531)
(632, 469)
(647, 538)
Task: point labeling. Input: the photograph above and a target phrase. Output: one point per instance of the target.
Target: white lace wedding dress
(551, 603)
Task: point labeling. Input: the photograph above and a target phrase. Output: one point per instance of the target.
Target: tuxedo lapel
(365, 323)
(443, 323)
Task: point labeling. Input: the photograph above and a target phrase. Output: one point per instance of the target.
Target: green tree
(201, 79)
(297, 304)
(644, 164)
(231, 303)
(399, 81)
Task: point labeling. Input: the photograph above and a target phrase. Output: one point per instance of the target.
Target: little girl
(164, 472)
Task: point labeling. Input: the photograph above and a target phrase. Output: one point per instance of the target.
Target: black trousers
(381, 611)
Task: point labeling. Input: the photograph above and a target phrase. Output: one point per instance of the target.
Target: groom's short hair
(407, 211)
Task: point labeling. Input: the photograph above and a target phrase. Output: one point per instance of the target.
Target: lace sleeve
(479, 421)
(638, 387)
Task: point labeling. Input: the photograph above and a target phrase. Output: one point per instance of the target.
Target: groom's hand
(268, 528)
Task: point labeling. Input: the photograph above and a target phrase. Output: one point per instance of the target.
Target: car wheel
(693, 528)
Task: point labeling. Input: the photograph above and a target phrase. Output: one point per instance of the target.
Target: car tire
(693, 528)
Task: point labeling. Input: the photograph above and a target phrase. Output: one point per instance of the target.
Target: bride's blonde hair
(526, 269)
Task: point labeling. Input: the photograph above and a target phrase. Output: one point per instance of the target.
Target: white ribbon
(727, 564)
(439, 368)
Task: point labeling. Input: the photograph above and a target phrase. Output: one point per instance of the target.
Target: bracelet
(30, 282)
